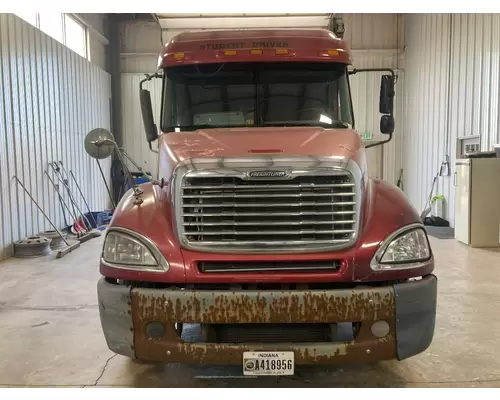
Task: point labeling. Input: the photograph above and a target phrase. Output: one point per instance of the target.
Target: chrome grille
(223, 212)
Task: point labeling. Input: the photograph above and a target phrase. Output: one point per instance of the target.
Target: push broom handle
(41, 210)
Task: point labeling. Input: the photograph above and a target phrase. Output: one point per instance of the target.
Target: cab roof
(254, 45)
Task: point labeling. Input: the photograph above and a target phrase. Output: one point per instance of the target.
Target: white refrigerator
(477, 201)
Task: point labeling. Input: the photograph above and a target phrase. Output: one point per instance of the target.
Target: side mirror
(387, 124)
(99, 143)
(386, 103)
(147, 116)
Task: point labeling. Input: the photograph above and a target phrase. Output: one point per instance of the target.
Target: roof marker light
(333, 52)
(178, 56)
(256, 52)
(230, 52)
(281, 51)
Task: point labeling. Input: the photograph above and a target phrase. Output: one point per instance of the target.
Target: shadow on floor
(176, 375)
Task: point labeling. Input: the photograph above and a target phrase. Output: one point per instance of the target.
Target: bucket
(438, 206)
(497, 149)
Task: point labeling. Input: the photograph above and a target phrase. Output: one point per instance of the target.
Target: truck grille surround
(248, 209)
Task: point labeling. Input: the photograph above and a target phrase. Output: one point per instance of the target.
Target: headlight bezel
(378, 266)
(162, 264)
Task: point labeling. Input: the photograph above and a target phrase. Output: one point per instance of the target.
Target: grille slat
(268, 266)
(265, 244)
(264, 195)
(301, 232)
(279, 223)
(254, 214)
(223, 212)
(275, 186)
(299, 204)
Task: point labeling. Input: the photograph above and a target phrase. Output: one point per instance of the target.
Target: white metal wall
(453, 88)
(51, 97)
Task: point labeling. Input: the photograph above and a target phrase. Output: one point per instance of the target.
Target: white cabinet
(477, 201)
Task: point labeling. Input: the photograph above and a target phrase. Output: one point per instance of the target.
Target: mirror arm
(148, 78)
(395, 78)
(390, 70)
(151, 148)
(379, 143)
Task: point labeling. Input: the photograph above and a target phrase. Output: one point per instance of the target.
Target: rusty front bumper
(408, 308)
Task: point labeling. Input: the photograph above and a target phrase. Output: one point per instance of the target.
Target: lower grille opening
(269, 333)
(269, 266)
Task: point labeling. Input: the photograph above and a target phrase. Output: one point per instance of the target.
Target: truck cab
(264, 229)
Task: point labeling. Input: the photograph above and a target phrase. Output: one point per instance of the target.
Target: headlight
(405, 248)
(130, 250)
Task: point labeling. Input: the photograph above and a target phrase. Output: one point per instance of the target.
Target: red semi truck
(264, 230)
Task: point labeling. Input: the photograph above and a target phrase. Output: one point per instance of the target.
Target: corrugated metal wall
(427, 68)
(51, 97)
(453, 88)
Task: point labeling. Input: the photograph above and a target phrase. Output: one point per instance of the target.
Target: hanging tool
(56, 169)
(66, 225)
(59, 173)
(85, 221)
(83, 197)
(106, 183)
(74, 216)
(68, 248)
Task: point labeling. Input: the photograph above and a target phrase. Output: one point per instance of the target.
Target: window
(75, 37)
(61, 27)
(256, 94)
(52, 25)
(32, 18)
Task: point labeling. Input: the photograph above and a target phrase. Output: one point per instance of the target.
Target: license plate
(268, 363)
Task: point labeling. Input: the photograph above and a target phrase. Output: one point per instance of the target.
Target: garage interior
(63, 75)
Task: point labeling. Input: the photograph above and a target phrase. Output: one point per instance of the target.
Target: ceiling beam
(318, 21)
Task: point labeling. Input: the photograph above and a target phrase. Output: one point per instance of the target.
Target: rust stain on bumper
(230, 307)
(210, 307)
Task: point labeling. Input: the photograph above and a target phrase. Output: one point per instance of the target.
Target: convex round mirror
(99, 143)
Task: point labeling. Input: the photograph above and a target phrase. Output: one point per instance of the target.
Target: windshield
(256, 94)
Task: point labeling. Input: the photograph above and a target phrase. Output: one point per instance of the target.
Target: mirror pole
(137, 192)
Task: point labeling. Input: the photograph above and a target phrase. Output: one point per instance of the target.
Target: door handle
(455, 179)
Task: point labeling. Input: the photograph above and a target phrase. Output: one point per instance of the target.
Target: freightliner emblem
(269, 174)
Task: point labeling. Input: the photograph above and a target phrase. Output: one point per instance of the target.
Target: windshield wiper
(336, 124)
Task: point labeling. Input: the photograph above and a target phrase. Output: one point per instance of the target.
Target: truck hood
(243, 142)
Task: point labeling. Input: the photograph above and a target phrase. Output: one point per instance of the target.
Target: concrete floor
(50, 333)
